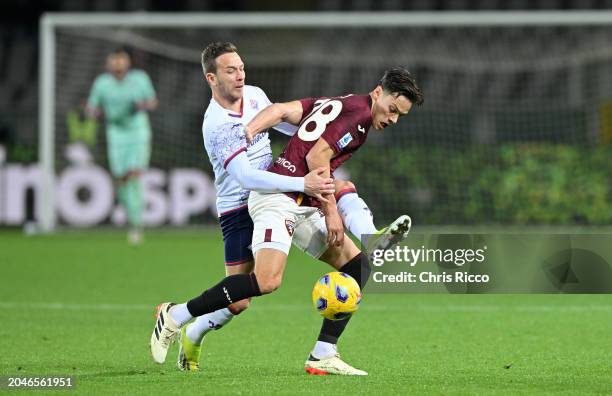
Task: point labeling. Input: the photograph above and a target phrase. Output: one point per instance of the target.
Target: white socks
(356, 215)
(324, 349)
(180, 314)
(203, 324)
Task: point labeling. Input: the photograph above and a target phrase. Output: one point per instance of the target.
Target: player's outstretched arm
(320, 156)
(290, 112)
(314, 184)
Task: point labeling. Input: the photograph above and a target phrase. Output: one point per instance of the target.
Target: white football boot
(164, 333)
(391, 235)
(330, 365)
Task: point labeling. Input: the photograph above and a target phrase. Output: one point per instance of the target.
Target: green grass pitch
(82, 304)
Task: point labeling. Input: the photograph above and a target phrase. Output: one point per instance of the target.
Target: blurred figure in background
(125, 96)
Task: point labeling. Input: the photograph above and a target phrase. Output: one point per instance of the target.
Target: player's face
(118, 64)
(388, 108)
(229, 78)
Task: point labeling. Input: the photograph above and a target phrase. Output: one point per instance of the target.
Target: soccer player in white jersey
(239, 168)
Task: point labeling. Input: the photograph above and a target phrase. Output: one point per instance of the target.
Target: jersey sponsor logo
(290, 225)
(254, 104)
(344, 140)
(286, 164)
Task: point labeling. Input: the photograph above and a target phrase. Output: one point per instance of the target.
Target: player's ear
(211, 78)
(377, 92)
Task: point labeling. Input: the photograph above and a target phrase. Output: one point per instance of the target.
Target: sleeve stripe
(231, 157)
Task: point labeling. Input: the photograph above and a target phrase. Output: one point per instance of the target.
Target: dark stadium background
(442, 177)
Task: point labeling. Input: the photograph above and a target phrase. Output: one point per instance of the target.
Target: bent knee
(269, 284)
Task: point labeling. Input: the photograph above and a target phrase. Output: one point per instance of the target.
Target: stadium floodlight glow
(50, 56)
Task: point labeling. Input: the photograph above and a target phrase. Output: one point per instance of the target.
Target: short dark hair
(399, 81)
(121, 51)
(212, 52)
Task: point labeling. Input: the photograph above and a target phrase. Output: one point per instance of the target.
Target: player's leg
(271, 243)
(355, 213)
(115, 154)
(192, 335)
(311, 236)
(269, 267)
(172, 317)
(350, 260)
(118, 159)
(134, 203)
(237, 228)
(137, 160)
(324, 357)
(126, 162)
(197, 329)
(359, 220)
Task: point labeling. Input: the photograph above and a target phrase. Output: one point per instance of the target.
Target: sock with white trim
(324, 349)
(180, 314)
(203, 324)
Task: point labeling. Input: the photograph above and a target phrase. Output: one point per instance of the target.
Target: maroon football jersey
(342, 121)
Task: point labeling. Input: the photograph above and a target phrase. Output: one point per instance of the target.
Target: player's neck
(235, 106)
(119, 76)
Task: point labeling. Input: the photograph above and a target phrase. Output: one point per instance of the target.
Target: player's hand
(316, 185)
(335, 229)
(93, 112)
(249, 135)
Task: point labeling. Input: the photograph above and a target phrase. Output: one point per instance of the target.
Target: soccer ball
(336, 295)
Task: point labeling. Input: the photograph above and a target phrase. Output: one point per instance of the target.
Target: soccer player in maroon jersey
(330, 131)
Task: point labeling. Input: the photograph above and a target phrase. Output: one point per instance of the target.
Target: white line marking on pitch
(294, 307)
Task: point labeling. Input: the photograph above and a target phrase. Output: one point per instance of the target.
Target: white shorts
(279, 221)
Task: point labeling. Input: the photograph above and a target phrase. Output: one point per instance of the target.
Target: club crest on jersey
(290, 225)
(254, 104)
(344, 141)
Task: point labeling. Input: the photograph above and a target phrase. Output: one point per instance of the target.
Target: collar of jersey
(229, 112)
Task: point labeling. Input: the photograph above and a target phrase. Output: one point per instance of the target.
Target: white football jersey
(224, 138)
